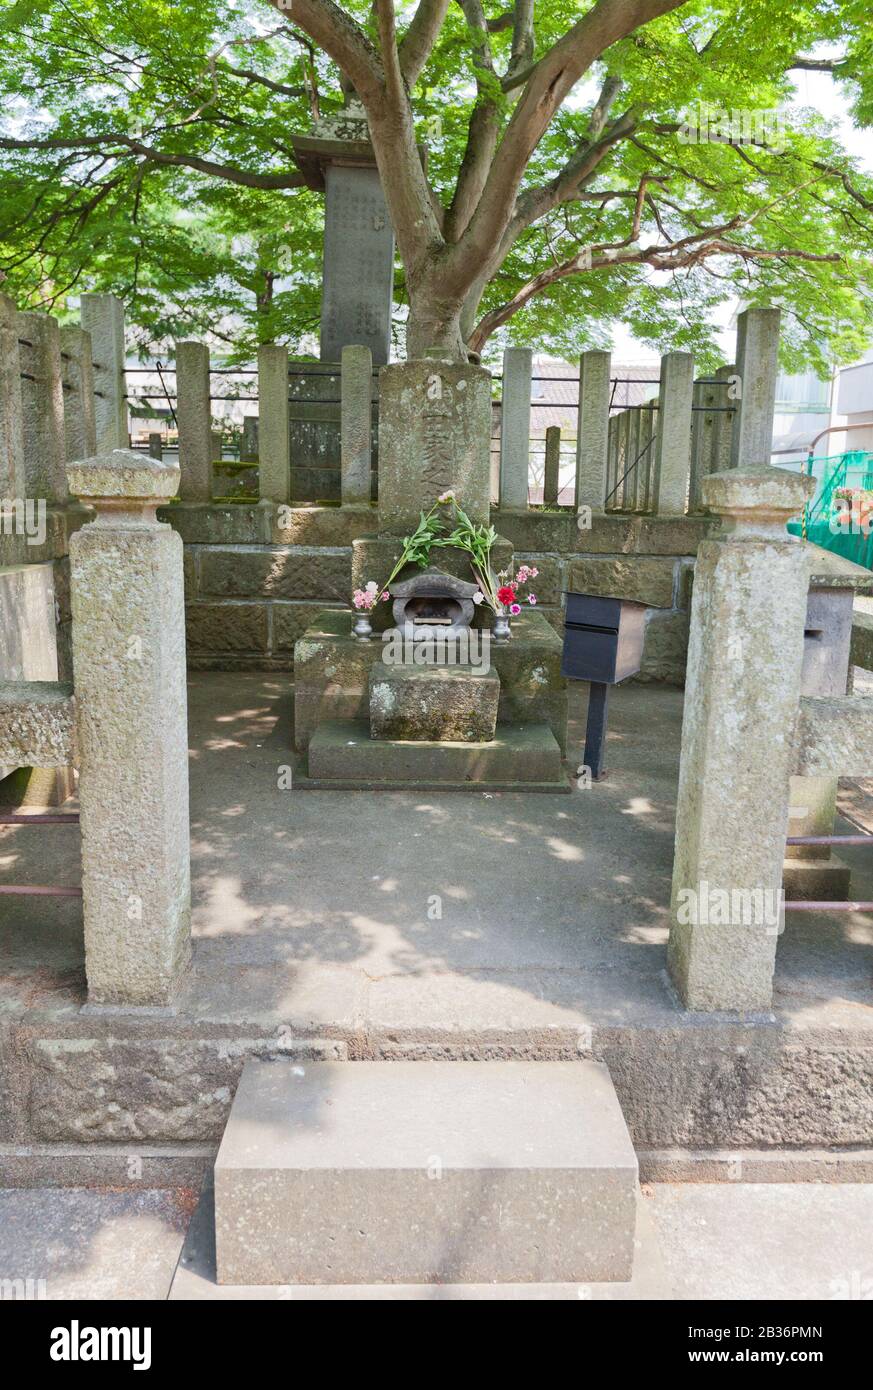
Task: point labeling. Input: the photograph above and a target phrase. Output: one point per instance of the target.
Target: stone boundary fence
(647, 459)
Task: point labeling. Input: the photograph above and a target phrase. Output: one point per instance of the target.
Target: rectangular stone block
(457, 703)
(316, 526)
(465, 1172)
(290, 621)
(520, 757)
(226, 627)
(298, 572)
(644, 578)
(205, 523)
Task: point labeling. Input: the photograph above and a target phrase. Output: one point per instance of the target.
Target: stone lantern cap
(124, 474)
(766, 497)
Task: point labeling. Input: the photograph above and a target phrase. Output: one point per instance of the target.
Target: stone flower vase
(500, 630)
(362, 627)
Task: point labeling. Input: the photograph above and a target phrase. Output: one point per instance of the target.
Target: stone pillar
(77, 373)
(194, 416)
(434, 435)
(742, 699)
(129, 671)
(757, 367)
(156, 445)
(672, 445)
(552, 468)
(515, 428)
(274, 439)
(593, 429)
(356, 422)
(42, 400)
(724, 419)
(102, 315)
(216, 444)
(248, 444)
(12, 482)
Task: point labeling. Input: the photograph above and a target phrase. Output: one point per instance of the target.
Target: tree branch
(817, 64)
(416, 45)
(342, 39)
(687, 252)
(229, 173)
(554, 76)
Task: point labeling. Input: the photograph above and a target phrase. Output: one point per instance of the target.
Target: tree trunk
(434, 324)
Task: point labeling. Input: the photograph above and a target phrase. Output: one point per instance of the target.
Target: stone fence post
(274, 437)
(672, 463)
(552, 466)
(12, 484)
(77, 373)
(129, 676)
(592, 430)
(742, 700)
(515, 428)
(42, 399)
(356, 424)
(757, 368)
(102, 315)
(194, 417)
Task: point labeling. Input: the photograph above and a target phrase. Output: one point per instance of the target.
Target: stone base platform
(422, 1172)
(332, 675)
(342, 756)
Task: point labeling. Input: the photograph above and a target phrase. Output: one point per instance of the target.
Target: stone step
(523, 757)
(423, 1172)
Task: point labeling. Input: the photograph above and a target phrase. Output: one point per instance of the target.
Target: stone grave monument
(430, 700)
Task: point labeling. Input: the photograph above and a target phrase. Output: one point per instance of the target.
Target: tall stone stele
(742, 699)
(129, 676)
(336, 158)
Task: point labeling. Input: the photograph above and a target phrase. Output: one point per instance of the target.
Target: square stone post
(248, 444)
(742, 699)
(194, 417)
(356, 422)
(102, 315)
(515, 428)
(724, 419)
(156, 445)
(77, 374)
(42, 400)
(593, 430)
(129, 673)
(757, 368)
(552, 468)
(12, 482)
(274, 436)
(672, 463)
